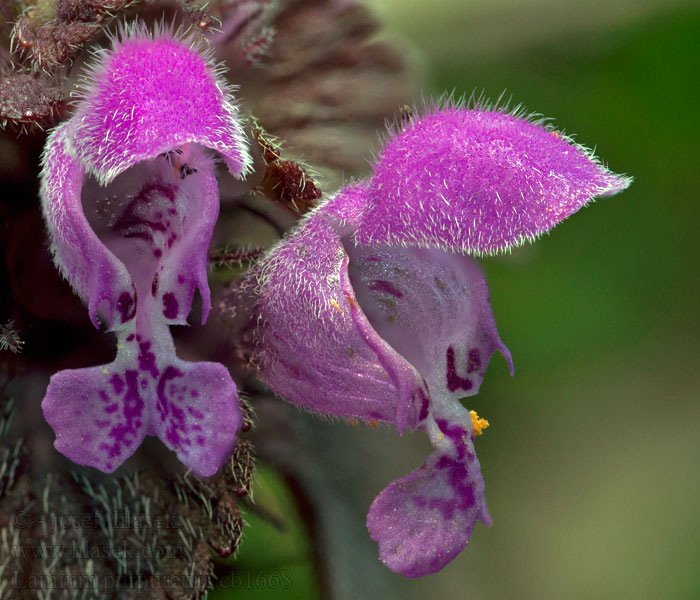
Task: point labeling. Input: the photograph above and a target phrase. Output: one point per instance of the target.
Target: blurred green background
(592, 460)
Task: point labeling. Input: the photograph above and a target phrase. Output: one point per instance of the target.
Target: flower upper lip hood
(487, 181)
(130, 199)
(371, 309)
(148, 94)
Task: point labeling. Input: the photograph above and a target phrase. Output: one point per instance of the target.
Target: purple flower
(370, 309)
(130, 197)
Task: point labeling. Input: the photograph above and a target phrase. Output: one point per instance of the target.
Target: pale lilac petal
(197, 414)
(478, 181)
(433, 308)
(147, 232)
(313, 344)
(422, 521)
(147, 95)
(101, 414)
(98, 277)
(98, 414)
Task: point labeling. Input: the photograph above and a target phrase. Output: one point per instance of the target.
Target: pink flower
(371, 309)
(130, 197)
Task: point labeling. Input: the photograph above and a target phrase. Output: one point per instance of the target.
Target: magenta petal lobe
(196, 413)
(422, 521)
(98, 414)
(478, 181)
(101, 414)
(134, 106)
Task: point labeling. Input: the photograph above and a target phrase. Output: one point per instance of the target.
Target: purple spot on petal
(123, 433)
(457, 478)
(456, 434)
(168, 410)
(147, 360)
(111, 408)
(117, 383)
(178, 413)
(134, 222)
(200, 440)
(130, 337)
(424, 404)
(195, 413)
(126, 305)
(419, 501)
(180, 279)
(170, 306)
(454, 381)
(443, 463)
(379, 285)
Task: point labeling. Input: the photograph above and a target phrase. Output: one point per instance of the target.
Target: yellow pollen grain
(441, 435)
(478, 423)
(336, 306)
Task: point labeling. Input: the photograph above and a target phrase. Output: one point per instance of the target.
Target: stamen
(478, 423)
(186, 170)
